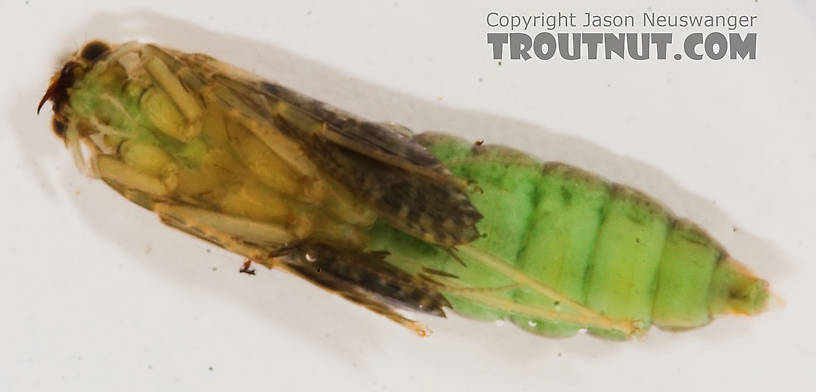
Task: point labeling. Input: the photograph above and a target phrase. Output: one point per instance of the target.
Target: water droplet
(310, 257)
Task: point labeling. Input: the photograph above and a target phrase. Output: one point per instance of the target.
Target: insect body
(608, 251)
(379, 216)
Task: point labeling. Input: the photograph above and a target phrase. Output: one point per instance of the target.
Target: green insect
(382, 217)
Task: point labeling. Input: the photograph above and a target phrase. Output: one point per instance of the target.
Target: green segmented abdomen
(602, 245)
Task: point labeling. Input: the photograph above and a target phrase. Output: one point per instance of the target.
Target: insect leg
(279, 143)
(170, 83)
(206, 223)
(74, 140)
(583, 314)
(273, 171)
(158, 106)
(176, 107)
(113, 169)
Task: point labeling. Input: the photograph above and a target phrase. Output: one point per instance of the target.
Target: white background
(95, 294)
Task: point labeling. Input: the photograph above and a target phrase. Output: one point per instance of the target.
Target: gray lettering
(720, 41)
(515, 21)
(592, 40)
(488, 19)
(563, 46)
(690, 45)
(520, 44)
(542, 39)
(614, 44)
(743, 47)
(497, 40)
(661, 41)
(631, 43)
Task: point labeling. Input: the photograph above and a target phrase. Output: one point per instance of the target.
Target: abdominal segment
(607, 251)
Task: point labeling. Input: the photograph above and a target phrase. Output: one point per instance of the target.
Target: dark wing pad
(366, 274)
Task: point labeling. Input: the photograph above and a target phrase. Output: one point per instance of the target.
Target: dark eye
(58, 126)
(93, 50)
